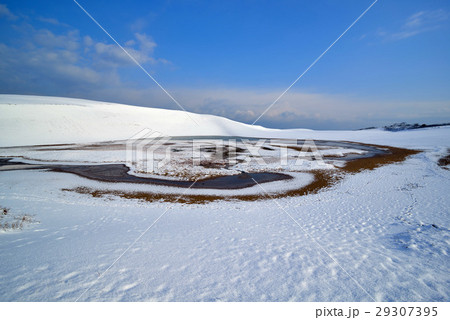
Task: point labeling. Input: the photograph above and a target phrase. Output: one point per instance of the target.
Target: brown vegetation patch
(321, 180)
(444, 161)
(393, 155)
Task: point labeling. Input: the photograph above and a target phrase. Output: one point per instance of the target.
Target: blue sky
(233, 58)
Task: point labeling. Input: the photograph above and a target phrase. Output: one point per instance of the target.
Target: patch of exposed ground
(322, 179)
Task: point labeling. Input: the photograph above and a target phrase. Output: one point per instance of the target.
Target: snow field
(377, 225)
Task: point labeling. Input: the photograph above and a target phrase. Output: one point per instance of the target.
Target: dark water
(119, 173)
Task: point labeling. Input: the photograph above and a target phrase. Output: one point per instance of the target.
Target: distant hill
(400, 126)
(406, 126)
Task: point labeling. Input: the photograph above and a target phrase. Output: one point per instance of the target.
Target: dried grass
(444, 162)
(8, 222)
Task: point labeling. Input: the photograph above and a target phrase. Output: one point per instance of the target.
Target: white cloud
(40, 67)
(146, 43)
(87, 41)
(141, 48)
(296, 109)
(417, 23)
(46, 38)
(52, 21)
(139, 24)
(41, 60)
(425, 18)
(301, 108)
(6, 13)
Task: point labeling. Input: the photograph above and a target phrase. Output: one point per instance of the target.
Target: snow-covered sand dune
(35, 120)
(29, 120)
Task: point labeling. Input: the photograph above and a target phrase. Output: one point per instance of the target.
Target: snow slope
(34, 120)
(29, 120)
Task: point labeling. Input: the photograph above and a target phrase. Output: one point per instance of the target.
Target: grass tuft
(9, 222)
